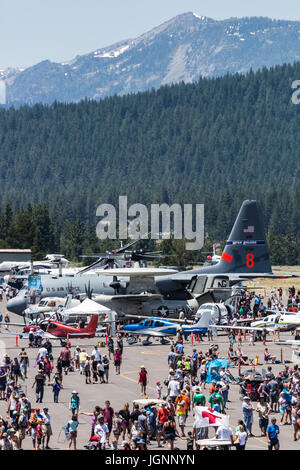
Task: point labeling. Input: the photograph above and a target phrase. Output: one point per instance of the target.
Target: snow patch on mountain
(112, 54)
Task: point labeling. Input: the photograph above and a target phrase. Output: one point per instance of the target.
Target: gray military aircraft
(245, 256)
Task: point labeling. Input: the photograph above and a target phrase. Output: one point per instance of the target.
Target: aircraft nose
(16, 305)
(125, 328)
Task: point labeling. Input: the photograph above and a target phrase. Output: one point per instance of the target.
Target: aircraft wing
(140, 279)
(44, 335)
(140, 297)
(261, 275)
(14, 333)
(250, 328)
(26, 335)
(292, 342)
(247, 320)
(158, 334)
(137, 272)
(185, 277)
(77, 335)
(144, 317)
(49, 336)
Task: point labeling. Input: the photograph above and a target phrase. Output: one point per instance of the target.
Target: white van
(47, 304)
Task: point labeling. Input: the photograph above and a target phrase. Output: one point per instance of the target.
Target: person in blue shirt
(74, 405)
(151, 421)
(171, 358)
(179, 348)
(287, 395)
(272, 435)
(71, 431)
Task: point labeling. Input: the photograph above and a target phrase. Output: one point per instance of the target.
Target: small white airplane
(285, 321)
(51, 261)
(57, 259)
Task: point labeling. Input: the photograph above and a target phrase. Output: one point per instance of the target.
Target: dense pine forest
(217, 142)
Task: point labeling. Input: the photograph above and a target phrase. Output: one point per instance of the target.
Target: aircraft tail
(246, 250)
(92, 326)
(68, 301)
(203, 321)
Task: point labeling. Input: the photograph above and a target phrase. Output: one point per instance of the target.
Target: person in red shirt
(108, 413)
(143, 379)
(39, 434)
(212, 387)
(161, 418)
(117, 360)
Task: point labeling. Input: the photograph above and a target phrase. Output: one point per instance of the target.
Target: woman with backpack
(170, 432)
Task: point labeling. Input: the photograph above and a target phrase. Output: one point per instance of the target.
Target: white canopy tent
(88, 308)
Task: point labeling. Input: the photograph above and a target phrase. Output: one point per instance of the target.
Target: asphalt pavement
(125, 388)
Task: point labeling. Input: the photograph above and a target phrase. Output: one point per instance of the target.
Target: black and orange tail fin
(246, 249)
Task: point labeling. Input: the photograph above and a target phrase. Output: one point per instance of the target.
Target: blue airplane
(160, 328)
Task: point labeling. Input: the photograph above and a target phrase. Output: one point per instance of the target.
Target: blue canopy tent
(213, 369)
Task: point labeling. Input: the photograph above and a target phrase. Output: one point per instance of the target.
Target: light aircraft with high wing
(285, 321)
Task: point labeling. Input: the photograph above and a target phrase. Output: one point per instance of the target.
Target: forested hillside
(218, 141)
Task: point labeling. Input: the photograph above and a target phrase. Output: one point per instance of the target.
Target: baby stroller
(93, 444)
(249, 388)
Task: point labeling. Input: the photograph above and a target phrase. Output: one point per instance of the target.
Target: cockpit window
(206, 307)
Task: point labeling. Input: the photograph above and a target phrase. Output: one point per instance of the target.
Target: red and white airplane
(58, 330)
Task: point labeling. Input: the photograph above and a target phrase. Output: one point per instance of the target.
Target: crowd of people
(160, 422)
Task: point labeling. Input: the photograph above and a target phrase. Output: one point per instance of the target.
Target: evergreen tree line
(218, 142)
(32, 227)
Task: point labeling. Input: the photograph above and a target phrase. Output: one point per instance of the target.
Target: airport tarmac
(124, 387)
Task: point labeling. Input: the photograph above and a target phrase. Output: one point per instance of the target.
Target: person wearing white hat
(247, 409)
(74, 405)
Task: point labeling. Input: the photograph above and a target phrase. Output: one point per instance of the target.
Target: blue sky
(34, 30)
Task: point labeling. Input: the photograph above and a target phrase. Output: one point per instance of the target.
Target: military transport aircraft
(245, 256)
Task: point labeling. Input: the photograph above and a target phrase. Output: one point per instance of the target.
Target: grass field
(269, 284)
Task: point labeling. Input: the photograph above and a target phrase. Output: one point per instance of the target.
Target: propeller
(110, 259)
(88, 290)
(115, 284)
(70, 288)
